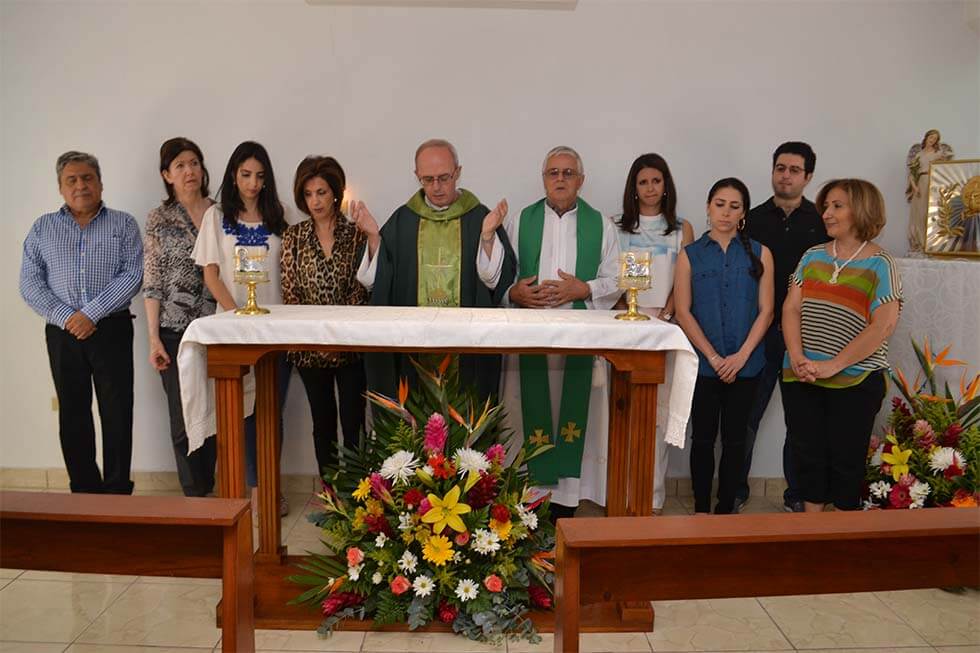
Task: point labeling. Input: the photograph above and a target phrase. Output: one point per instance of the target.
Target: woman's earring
(741, 224)
(708, 220)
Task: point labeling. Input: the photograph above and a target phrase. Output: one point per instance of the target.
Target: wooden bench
(144, 536)
(670, 558)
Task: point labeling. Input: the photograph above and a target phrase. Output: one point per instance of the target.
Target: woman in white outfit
(649, 223)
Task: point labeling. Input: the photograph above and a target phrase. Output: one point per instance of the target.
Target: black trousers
(830, 430)
(729, 403)
(195, 471)
(105, 358)
(351, 384)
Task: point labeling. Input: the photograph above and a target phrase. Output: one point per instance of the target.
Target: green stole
(440, 249)
(565, 460)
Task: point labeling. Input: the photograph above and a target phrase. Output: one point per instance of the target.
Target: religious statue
(921, 156)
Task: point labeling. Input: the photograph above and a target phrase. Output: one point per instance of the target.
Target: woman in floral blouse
(174, 293)
(319, 266)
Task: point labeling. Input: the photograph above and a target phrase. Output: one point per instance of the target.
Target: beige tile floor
(44, 612)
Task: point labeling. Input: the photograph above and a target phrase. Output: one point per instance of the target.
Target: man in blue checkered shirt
(82, 265)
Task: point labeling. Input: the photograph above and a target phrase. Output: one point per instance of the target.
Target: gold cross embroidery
(538, 438)
(569, 432)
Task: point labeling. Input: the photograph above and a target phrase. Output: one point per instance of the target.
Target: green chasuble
(568, 436)
(428, 258)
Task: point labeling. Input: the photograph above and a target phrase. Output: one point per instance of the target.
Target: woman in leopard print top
(319, 266)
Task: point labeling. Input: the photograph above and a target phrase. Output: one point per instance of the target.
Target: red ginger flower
(436, 432)
(447, 613)
(540, 598)
(483, 492)
(951, 438)
(378, 524)
(340, 600)
(953, 471)
(500, 512)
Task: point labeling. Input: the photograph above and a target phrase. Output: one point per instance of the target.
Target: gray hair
(563, 149)
(77, 157)
(438, 142)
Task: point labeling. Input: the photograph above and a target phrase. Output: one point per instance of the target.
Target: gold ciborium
(634, 276)
(249, 271)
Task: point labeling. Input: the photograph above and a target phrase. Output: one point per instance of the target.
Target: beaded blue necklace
(257, 236)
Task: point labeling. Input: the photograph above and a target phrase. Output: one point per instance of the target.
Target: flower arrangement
(930, 453)
(428, 523)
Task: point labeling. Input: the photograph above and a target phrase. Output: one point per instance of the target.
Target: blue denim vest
(725, 300)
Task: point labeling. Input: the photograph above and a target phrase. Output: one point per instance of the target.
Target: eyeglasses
(555, 173)
(429, 180)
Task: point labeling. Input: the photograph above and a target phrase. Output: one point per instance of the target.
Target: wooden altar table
(231, 344)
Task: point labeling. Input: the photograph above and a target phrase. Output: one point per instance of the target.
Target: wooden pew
(143, 536)
(669, 558)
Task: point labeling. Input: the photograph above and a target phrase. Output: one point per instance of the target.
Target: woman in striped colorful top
(843, 304)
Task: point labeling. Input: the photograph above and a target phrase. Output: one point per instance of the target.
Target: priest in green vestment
(568, 258)
(441, 248)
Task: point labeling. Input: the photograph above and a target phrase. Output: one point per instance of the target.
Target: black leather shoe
(793, 506)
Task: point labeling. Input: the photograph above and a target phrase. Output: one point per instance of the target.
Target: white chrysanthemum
(404, 521)
(423, 585)
(528, 518)
(408, 562)
(377, 578)
(381, 540)
(470, 460)
(399, 466)
(918, 493)
(354, 572)
(942, 458)
(880, 489)
(467, 590)
(485, 542)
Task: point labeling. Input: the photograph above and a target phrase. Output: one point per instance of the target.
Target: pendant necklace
(839, 267)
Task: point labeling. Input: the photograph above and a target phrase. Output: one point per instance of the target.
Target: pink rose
(462, 538)
(493, 583)
(399, 585)
(354, 556)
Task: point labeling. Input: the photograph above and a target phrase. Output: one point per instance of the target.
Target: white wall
(713, 86)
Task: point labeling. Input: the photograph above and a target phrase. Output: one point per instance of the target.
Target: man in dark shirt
(788, 224)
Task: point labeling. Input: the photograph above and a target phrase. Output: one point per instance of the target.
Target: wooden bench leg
(567, 608)
(237, 589)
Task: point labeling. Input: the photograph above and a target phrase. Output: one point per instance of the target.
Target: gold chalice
(634, 276)
(249, 271)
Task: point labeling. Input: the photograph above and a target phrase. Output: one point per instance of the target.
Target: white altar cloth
(414, 328)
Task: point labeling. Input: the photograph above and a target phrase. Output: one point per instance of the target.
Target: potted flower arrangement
(930, 454)
(427, 522)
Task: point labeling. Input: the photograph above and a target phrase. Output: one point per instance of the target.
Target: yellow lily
(446, 512)
(899, 460)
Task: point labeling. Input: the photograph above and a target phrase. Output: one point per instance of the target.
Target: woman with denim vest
(723, 299)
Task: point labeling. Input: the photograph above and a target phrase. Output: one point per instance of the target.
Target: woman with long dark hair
(174, 293)
(723, 294)
(649, 223)
(248, 215)
(319, 266)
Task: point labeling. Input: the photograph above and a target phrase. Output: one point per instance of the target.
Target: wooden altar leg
(267, 460)
(617, 466)
(643, 449)
(231, 436)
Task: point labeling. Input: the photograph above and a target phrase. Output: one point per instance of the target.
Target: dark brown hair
(170, 150)
(631, 205)
(326, 168)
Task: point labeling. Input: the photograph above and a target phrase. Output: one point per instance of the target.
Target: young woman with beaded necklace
(250, 215)
(843, 303)
(723, 298)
